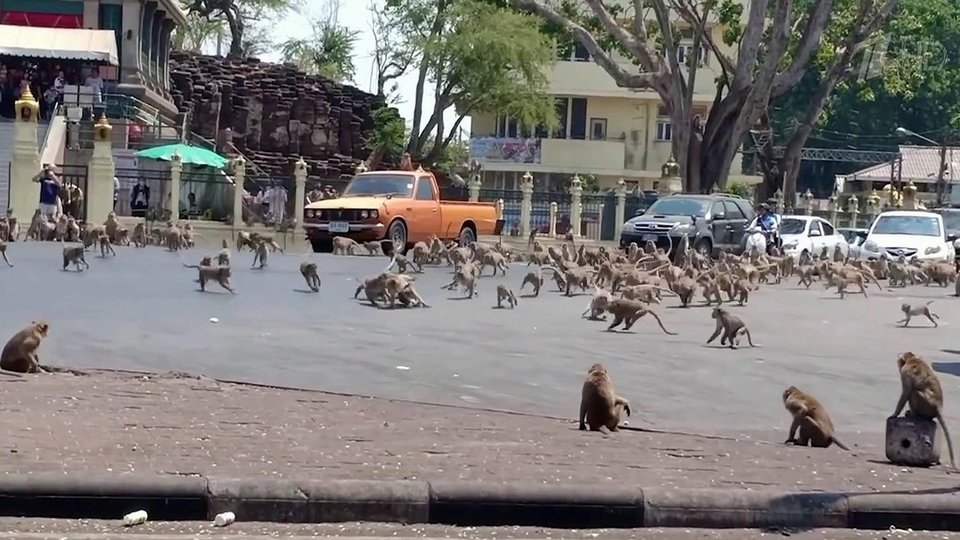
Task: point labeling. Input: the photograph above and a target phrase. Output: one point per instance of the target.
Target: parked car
(712, 223)
(911, 234)
(951, 222)
(853, 236)
(807, 234)
(403, 207)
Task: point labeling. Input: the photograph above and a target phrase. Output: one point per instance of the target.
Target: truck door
(424, 211)
(718, 224)
(736, 223)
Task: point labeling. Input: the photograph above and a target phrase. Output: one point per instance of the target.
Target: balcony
(549, 155)
(587, 79)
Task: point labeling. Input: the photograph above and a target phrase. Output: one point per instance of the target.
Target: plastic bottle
(135, 518)
(224, 519)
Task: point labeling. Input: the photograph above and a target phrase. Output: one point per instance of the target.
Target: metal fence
(73, 191)
(205, 195)
(143, 193)
(268, 199)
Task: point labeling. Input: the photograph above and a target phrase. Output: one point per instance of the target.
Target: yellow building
(606, 131)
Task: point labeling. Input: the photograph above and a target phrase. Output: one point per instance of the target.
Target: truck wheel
(704, 248)
(397, 234)
(322, 246)
(467, 236)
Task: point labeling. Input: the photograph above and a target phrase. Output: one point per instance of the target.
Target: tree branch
(640, 49)
(809, 45)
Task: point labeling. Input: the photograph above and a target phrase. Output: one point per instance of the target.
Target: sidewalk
(164, 424)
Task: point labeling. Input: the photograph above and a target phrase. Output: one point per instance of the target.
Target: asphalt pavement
(141, 311)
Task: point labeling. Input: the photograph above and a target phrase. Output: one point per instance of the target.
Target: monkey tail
(946, 435)
(749, 339)
(837, 442)
(665, 331)
(196, 266)
(928, 303)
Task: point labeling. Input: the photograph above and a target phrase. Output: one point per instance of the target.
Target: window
(563, 105)
(685, 51)
(815, 226)
(598, 129)
(664, 130)
(792, 226)
(425, 189)
(678, 206)
(578, 118)
(732, 210)
(717, 208)
(507, 127)
(827, 228)
(580, 53)
(909, 225)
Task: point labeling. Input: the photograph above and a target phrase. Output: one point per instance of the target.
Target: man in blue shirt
(49, 192)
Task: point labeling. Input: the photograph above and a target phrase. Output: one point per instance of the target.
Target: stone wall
(274, 114)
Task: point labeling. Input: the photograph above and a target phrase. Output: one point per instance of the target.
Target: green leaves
(328, 51)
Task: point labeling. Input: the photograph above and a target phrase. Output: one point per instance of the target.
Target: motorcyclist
(769, 225)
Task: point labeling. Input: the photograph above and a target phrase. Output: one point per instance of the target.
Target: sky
(355, 14)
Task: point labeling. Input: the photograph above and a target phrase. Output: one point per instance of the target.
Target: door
(736, 222)
(424, 211)
(832, 238)
(817, 242)
(719, 226)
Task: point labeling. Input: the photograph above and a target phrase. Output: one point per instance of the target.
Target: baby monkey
(503, 293)
(105, 245)
(308, 269)
(731, 326)
(260, 255)
(910, 312)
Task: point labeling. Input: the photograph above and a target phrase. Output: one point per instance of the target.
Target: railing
(46, 136)
(152, 197)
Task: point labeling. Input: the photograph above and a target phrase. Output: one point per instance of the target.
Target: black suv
(713, 223)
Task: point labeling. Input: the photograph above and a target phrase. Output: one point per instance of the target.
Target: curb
(568, 506)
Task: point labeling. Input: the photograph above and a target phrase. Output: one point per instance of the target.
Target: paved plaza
(141, 311)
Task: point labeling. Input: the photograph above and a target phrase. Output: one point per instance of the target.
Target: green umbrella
(193, 155)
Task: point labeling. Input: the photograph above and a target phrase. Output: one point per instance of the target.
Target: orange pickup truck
(403, 207)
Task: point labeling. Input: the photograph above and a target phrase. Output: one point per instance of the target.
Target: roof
(66, 43)
(803, 217)
(909, 213)
(920, 164)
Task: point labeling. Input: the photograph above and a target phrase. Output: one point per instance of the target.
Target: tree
(479, 58)
(912, 80)
(198, 33)
(388, 137)
(775, 46)
(328, 50)
(392, 54)
(239, 15)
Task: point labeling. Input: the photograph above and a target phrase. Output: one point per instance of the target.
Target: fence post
(576, 193)
(239, 170)
(499, 209)
(873, 205)
(808, 199)
(100, 171)
(853, 207)
(832, 207)
(779, 197)
(176, 172)
(300, 186)
(620, 212)
(910, 196)
(526, 205)
(553, 219)
(474, 187)
(24, 160)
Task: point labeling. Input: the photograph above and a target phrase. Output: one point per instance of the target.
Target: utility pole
(941, 184)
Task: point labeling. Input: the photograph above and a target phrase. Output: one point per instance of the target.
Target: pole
(941, 187)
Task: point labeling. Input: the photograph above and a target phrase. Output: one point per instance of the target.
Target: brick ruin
(274, 114)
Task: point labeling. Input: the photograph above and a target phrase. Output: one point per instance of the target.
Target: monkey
(269, 240)
(243, 239)
(685, 288)
(910, 311)
(421, 253)
(811, 418)
(260, 254)
(731, 326)
(373, 248)
(649, 294)
(805, 272)
(400, 287)
(3, 252)
(74, 254)
(496, 260)
(504, 293)
(841, 282)
(534, 278)
(341, 246)
(123, 236)
(207, 272)
(630, 311)
(600, 406)
(105, 246)
(223, 257)
(598, 305)
(20, 353)
(921, 388)
(60, 230)
(308, 269)
(741, 288)
(466, 277)
(403, 263)
(139, 237)
(174, 239)
(111, 226)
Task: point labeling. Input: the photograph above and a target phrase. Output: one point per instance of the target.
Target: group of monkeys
(639, 276)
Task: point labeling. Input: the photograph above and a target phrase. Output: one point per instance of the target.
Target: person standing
(49, 192)
(139, 199)
(277, 199)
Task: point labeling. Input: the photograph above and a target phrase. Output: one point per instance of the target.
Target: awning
(65, 43)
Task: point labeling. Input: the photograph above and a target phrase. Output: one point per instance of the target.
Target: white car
(808, 234)
(908, 233)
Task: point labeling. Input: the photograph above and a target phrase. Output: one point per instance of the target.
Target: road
(141, 311)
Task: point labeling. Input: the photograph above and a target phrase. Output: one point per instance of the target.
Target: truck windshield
(374, 185)
(912, 225)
